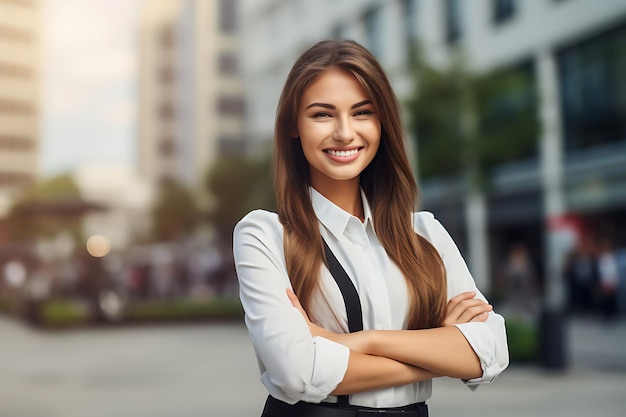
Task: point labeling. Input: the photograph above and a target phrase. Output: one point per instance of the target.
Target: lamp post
(558, 233)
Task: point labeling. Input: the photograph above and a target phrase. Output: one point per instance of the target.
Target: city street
(193, 370)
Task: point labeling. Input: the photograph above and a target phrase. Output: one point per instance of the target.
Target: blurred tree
(46, 209)
(465, 125)
(434, 117)
(239, 184)
(508, 123)
(470, 123)
(175, 212)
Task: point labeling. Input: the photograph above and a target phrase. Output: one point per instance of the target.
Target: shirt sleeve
(294, 365)
(488, 338)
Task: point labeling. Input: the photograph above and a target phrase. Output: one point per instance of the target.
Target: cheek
(314, 132)
(375, 136)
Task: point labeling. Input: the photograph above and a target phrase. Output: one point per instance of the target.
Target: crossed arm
(385, 358)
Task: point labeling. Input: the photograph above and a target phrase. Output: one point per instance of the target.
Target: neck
(346, 195)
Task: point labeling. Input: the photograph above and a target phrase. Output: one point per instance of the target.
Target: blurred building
(20, 44)
(191, 103)
(573, 53)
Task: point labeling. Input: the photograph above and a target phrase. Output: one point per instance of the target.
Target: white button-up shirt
(296, 366)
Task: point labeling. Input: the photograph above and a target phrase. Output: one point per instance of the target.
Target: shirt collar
(334, 218)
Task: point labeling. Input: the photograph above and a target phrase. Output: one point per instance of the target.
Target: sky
(88, 83)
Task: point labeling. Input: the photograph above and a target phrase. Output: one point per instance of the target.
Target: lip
(343, 155)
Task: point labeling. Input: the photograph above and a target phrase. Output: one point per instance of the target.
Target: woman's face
(338, 128)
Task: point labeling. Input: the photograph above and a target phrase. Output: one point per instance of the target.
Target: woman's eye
(363, 113)
(321, 115)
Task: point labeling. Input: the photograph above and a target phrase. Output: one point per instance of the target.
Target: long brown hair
(387, 181)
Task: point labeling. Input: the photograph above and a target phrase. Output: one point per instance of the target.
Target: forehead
(334, 84)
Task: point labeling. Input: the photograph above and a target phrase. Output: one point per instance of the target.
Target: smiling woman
(339, 131)
(353, 301)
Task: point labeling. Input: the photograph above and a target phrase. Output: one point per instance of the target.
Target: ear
(294, 132)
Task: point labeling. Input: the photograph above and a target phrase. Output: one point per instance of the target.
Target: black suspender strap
(350, 298)
(349, 293)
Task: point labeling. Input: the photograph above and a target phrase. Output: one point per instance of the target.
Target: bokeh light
(98, 246)
(15, 273)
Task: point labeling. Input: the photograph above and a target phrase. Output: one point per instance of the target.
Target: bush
(180, 309)
(7, 304)
(523, 340)
(63, 313)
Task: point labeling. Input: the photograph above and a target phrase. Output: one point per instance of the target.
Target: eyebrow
(332, 107)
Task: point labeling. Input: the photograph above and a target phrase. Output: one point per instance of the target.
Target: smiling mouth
(343, 154)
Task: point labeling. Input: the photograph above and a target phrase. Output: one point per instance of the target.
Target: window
(340, 31)
(453, 22)
(166, 75)
(167, 37)
(166, 178)
(17, 107)
(409, 9)
(374, 31)
(16, 143)
(228, 16)
(16, 71)
(167, 147)
(503, 10)
(230, 145)
(20, 2)
(16, 178)
(230, 106)
(15, 34)
(228, 63)
(592, 76)
(166, 111)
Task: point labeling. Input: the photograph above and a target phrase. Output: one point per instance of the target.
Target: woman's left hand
(464, 308)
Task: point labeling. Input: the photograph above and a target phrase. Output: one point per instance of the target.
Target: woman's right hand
(313, 328)
(357, 341)
(464, 308)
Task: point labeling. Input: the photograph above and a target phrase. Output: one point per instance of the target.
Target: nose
(343, 131)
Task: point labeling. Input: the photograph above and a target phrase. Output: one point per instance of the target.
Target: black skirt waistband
(277, 408)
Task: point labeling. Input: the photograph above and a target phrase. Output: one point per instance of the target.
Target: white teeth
(342, 153)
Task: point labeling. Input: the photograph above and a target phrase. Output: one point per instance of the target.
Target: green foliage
(239, 184)
(175, 212)
(435, 120)
(523, 341)
(178, 309)
(508, 121)
(466, 122)
(7, 304)
(61, 186)
(24, 224)
(63, 313)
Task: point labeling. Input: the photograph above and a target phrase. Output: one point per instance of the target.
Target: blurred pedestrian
(620, 257)
(347, 250)
(521, 281)
(608, 275)
(581, 276)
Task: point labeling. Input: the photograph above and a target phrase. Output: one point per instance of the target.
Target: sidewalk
(530, 392)
(594, 384)
(598, 345)
(210, 370)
